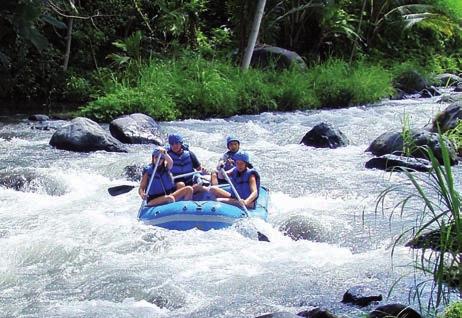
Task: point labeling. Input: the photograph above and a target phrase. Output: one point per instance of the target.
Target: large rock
(392, 143)
(447, 79)
(136, 129)
(267, 56)
(85, 135)
(399, 163)
(448, 118)
(325, 135)
(411, 82)
(395, 311)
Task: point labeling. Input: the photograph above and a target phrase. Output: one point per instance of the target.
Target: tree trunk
(253, 34)
(70, 23)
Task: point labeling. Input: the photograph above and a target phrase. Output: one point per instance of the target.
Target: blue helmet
(175, 139)
(243, 156)
(156, 153)
(231, 138)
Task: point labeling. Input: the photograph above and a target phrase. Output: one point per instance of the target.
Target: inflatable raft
(203, 213)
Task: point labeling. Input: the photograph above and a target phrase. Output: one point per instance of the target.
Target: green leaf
(53, 21)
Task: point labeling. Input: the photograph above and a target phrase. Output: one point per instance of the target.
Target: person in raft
(246, 180)
(184, 161)
(227, 160)
(162, 189)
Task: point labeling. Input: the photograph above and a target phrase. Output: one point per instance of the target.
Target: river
(68, 249)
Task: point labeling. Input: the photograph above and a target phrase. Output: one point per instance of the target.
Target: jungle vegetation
(180, 58)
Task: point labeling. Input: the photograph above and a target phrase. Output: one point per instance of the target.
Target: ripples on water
(70, 250)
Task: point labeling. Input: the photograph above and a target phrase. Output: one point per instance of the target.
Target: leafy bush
(453, 311)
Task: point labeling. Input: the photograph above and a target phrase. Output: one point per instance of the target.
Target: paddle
(238, 197)
(261, 236)
(121, 189)
(143, 203)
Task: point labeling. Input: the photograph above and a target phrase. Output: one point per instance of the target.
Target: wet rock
(85, 135)
(448, 118)
(399, 163)
(361, 296)
(446, 98)
(448, 79)
(267, 56)
(303, 228)
(281, 314)
(316, 313)
(430, 91)
(392, 143)
(458, 88)
(394, 310)
(324, 135)
(136, 129)
(30, 181)
(411, 82)
(133, 172)
(432, 240)
(38, 117)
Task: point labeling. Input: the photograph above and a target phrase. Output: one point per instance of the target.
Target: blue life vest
(162, 183)
(229, 155)
(181, 163)
(241, 182)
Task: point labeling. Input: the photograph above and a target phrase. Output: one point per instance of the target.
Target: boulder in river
(361, 296)
(448, 118)
(394, 310)
(136, 129)
(399, 163)
(419, 140)
(85, 135)
(324, 135)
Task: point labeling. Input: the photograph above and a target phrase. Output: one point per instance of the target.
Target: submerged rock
(361, 296)
(399, 163)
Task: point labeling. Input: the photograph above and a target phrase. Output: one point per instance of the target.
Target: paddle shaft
(223, 172)
(146, 191)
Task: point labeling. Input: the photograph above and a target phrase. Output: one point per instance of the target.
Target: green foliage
(337, 84)
(455, 135)
(131, 48)
(442, 202)
(454, 310)
(191, 86)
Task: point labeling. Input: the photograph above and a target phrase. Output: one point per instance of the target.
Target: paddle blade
(121, 189)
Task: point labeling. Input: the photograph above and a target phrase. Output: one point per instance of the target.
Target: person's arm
(195, 162)
(143, 185)
(254, 191)
(167, 158)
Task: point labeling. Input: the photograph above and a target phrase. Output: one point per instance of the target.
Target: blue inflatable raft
(203, 213)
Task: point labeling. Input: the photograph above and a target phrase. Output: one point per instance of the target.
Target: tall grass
(441, 215)
(191, 86)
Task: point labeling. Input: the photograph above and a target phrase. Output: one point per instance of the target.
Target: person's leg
(220, 193)
(180, 185)
(161, 200)
(214, 178)
(184, 193)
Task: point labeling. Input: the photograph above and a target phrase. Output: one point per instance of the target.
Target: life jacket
(162, 183)
(181, 163)
(241, 182)
(229, 155)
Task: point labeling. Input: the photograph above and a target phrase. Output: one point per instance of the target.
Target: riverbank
(193, 87)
